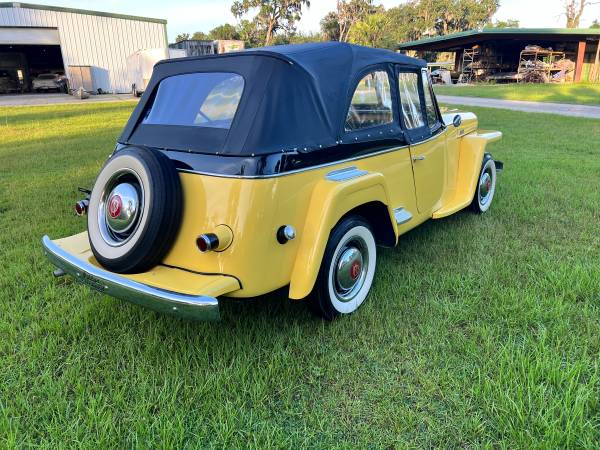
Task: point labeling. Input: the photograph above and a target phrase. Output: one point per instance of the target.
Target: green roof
(79, 11)
(491, 32)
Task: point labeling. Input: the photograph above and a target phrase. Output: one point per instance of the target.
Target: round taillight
(207, 242)
(81, 207)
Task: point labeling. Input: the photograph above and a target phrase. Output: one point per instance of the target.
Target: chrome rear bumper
(183, 305)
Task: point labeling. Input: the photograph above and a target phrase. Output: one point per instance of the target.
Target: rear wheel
(486, 186)
(347, 269)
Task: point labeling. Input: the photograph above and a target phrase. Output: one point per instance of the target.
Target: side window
(432, 117)
(408, 87)
(371, 103)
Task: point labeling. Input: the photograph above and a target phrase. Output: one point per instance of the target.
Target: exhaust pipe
(81, 207)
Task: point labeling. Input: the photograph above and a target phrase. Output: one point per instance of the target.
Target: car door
(372, 119)
(423, 126)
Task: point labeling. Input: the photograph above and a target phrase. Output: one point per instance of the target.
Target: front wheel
(347, 269)
(486, 186)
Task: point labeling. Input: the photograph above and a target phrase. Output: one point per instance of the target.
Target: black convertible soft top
(295, 98)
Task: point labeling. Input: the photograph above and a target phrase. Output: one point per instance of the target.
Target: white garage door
(29, 36)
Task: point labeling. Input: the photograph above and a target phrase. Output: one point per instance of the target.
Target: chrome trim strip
(347, 173)
(182, 305)
(402, 216)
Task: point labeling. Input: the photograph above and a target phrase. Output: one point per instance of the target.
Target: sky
(203, 15)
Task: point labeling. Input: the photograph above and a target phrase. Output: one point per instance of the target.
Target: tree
(574, 10)
(371, 31)
(403, 23)
(463, 15)
(182, 37)
(273, 15)
(330, 27)
(509, 23)
(595, 24)
(201, 36)
(225, 31)
(351, 12)
(251, 33)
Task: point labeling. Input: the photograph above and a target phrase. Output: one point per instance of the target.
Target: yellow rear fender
(471, 153)
(330, 201)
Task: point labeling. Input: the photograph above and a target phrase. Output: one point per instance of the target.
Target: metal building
(85, 45)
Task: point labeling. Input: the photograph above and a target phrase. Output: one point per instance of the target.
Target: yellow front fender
(472, 149)
(329, 202)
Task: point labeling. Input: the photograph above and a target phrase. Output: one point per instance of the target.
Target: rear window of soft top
(207, 99)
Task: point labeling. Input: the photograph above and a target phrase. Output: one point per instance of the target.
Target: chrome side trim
(182, 305)
(402, 216)
(344, 174)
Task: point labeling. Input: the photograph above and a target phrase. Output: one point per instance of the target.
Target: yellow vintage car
(243, 173)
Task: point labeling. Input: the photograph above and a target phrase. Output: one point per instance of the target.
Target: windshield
(207, 99)
(47, 76)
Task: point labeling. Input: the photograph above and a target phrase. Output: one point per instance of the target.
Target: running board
(402, 216)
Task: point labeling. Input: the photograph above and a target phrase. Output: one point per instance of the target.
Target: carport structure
(506, 44)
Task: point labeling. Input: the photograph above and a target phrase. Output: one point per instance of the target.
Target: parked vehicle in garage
(49, 82)
(242, 173)
(8, 84)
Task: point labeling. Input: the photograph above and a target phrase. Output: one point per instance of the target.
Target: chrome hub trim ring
(120, 207)
(350, 269)
(485, 187)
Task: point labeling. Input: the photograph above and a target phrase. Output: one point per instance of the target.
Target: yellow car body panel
(471, 150)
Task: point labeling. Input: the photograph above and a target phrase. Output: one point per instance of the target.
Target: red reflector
(81, 207)
(202, 244)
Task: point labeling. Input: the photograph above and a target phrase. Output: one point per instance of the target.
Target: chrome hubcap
(120, 207)
(350, 269)
(485, 187)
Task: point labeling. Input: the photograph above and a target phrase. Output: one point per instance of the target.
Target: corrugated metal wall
(98, 41)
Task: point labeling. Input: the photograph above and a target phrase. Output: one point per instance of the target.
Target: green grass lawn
(480, 330)
(579, 94)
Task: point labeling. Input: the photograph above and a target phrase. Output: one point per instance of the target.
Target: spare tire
(135, 210)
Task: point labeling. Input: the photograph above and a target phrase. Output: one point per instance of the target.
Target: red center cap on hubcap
(355, 270)
(115, 204)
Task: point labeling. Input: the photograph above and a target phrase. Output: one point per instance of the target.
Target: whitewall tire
(486, 186)
(347, 269)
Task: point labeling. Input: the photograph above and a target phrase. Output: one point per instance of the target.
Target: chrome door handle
(418, 158)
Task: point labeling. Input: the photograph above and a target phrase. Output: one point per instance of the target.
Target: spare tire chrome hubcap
(120, 207)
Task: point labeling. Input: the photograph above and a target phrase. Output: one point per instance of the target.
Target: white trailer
(141, 63)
